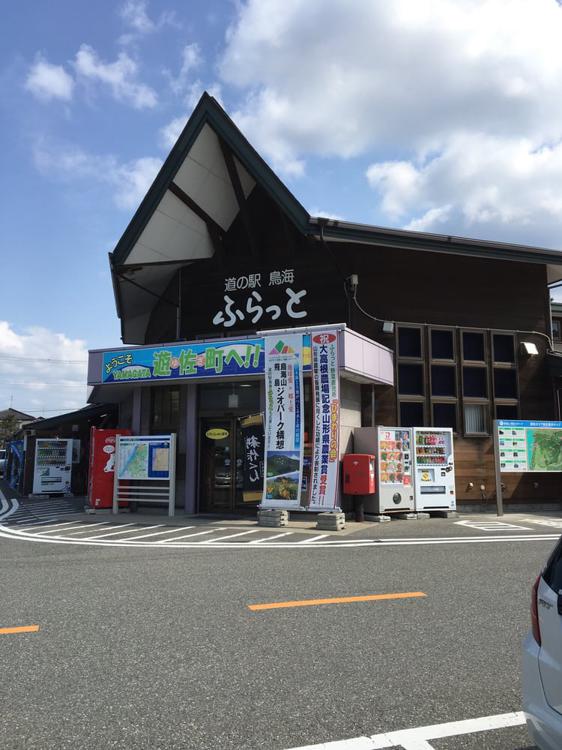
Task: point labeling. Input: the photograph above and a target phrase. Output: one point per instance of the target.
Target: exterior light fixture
(388, 326)
(529, 348)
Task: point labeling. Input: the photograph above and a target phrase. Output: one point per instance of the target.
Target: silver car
(542, 658)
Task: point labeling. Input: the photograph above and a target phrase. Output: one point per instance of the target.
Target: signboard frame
(518, 424)
(160, 488)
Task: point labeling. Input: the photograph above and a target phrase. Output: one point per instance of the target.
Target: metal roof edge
(410, 240)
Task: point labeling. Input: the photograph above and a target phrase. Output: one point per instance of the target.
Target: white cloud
(120, 76)
(190, 60)
(335, 78)
(491, 186)
(135, 15)
(46, 81)
(170, 132)
(128, 180)
(33, 384)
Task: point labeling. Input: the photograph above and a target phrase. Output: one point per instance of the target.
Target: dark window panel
(443, 381)
(475, 382)
(445, 415)
(473, 346)
(506, 412)
(504, 349)
(410, 380)
(409, 342)
(505, 383)
(411, 414)
(442, 346)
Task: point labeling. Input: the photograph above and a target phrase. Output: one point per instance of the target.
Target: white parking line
(86, 529)
(54, 526)
(313, 539)
(157, 533)
(48, 531)
(231, 536)
(269, 538)
(38, 523)
(188, 536)
(417, 738)
(120, 531)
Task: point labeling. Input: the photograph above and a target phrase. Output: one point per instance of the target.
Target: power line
(44, 359)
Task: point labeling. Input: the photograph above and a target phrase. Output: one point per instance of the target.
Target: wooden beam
(215, 230)
(240, 197)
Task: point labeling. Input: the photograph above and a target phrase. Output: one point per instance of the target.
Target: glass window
(553, 571)
(442, 344)
(409, 342)
(505, 383)
(475, 382)
(556, 329)
(443, 381)
(504, 411)
(475, 419)
(165, 409)
(229, 397)
(411, 414)
(473, 346)
(410, 380)
(445, 415)
(504, 349)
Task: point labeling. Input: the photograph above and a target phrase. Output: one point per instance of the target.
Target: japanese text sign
(325, 454)
(529, 446)
(284, 427)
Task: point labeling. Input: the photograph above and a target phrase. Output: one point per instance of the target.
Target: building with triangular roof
(432, 330)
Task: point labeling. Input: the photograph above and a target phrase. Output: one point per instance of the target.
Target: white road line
(85, 529)
(157, 533)
(313, 539)
(37, 523)
(269, 538)
(231, 536)
(119, 531)
(417, 738)
(52, 528)
(188, 536)
(39, 519)
(40, 516)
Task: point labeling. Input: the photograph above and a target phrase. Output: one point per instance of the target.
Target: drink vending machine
(395, 469)
(53, 466)
(393, 448)
(434, 468)
(102, 466)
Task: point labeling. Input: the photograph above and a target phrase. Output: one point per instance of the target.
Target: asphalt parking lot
(150, 647)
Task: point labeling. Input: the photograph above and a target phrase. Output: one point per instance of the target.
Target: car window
(553, 571)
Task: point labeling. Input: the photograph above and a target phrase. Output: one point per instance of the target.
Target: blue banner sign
(189, 360)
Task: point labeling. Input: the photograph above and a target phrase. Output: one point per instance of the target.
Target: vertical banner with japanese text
(326, 427)
(284, 425)
(253, 442)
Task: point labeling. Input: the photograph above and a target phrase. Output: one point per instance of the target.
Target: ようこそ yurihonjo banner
(284, 428)
(325, 453)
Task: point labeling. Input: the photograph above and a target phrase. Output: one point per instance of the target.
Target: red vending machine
(102, 466)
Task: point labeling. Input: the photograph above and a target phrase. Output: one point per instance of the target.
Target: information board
(529, 446)
(144, 457)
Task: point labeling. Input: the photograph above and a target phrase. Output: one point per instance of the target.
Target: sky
(442, 116)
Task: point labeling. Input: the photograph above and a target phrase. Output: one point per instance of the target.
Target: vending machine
(102, 466)
(394, 470)
(434, 468)
(53, 466)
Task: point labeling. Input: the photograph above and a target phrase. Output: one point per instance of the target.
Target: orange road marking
(21, 629)
(336, 600)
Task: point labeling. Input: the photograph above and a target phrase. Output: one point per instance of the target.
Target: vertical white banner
(326, 429)
(284, 424)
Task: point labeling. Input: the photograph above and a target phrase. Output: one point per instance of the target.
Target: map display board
(529, 446)
(143, 457)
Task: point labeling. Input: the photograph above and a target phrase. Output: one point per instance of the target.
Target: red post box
(359, 474)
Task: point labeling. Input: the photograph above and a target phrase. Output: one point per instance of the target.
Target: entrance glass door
(221, 465)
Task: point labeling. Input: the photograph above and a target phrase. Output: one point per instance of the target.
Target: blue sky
(442, 116)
